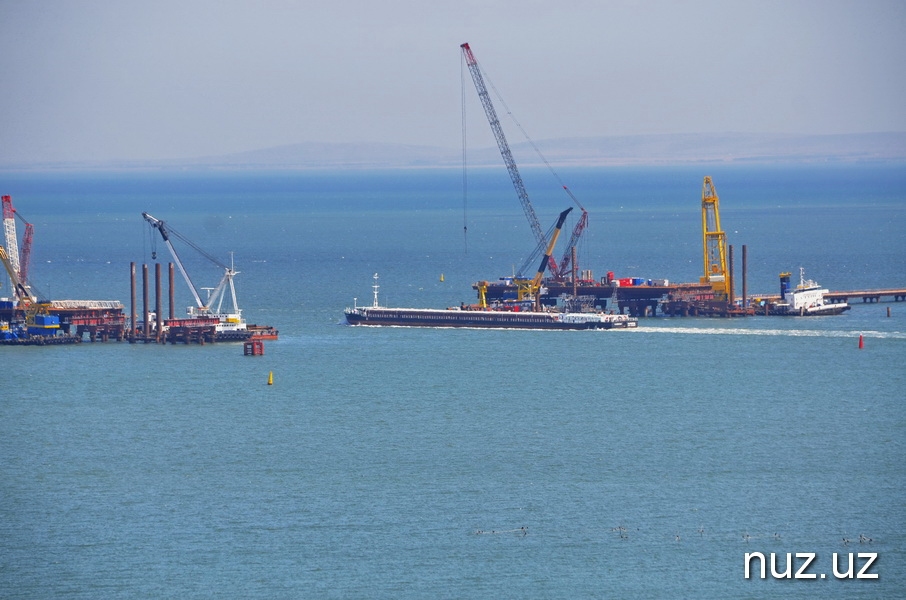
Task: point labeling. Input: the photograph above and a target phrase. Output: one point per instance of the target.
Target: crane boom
(9, 229)
(536, 282)
(213, 304)
(714, 243)
(22, 291)
(577, 233)
(505, 152)
(25, 258)
(532, 287)
(165, 234)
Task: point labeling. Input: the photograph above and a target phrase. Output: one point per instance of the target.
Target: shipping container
(47, 321)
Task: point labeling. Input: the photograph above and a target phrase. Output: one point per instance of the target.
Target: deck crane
(9, 229)
(574, 238)
(14, 262)
(714, 244)
(231, 321)
(526, 287)
(20, 291)
(505, 152)
(25, 255)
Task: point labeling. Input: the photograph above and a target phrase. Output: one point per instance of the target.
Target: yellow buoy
(441, 276)
(270, 378)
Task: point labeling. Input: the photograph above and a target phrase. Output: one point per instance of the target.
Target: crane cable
(532, 142)
(465, 187)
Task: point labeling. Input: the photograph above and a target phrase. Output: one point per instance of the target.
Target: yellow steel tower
(714, 244)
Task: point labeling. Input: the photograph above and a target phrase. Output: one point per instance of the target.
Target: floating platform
(636, 299)
(41, 340)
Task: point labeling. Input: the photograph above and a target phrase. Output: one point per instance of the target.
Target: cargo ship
(499, 316)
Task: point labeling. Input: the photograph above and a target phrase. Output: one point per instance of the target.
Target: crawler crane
(19, 263)
(557, 270)
(532, 287)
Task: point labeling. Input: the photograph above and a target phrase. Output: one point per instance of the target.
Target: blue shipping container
(47, 320)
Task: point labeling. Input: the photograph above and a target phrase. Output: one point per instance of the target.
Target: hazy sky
(123, 79)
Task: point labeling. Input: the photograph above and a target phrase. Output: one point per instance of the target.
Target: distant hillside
(585, 151)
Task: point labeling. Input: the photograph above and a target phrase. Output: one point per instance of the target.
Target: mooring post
(157, 307)
(172, 295)
(745, 291)
(730, 283)
(145, 330)
(132, 315)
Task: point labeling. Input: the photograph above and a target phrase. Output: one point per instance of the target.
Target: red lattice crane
(19, 261)
(574, 238)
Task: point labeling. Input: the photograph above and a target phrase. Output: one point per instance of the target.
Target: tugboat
(806, 300)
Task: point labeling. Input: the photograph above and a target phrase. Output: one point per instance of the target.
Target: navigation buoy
(270, 378)
(861, 342)
(441, 276)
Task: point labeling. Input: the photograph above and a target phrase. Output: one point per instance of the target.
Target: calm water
(640, 463)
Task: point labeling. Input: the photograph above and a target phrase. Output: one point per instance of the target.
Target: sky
(100, 80)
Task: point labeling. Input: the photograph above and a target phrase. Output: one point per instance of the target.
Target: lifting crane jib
(505, 152)
(533, 286)
(714, 243)
(165, 234)
(216, 294)
(21, 291)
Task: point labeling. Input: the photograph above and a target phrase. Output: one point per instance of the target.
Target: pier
(867, 296)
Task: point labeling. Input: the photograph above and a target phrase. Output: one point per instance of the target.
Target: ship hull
(481, 319)
(824, 310)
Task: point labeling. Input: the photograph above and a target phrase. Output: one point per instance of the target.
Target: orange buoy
(861, 342)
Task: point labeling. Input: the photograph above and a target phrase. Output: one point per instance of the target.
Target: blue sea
(431, 463)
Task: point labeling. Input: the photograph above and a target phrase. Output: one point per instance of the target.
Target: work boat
(807, 299)
(514, 316)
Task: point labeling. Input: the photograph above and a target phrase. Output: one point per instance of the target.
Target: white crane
(212, 306)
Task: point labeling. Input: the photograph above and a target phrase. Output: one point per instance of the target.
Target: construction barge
(60, 321)
(200, 327)
(208, 320)
(634, 296)
(28, 319)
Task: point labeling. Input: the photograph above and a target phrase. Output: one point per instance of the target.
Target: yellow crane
(20, 290)
(529, 288)
(532, 287)
(714, 244)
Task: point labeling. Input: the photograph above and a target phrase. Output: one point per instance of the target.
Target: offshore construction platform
(208, 320)
(27, 317)
(638, 297)
(711, 296)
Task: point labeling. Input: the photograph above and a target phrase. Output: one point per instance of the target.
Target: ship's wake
(894, 335)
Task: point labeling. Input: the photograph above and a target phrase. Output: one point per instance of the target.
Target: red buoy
(861, 342)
